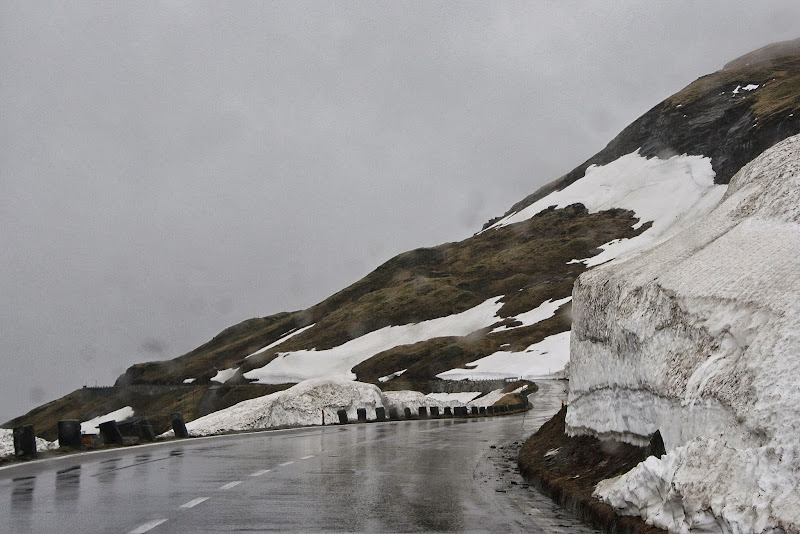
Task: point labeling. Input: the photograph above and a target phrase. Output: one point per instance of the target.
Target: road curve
(408, 476)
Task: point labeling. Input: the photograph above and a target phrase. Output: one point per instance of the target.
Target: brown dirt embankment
(568, 469)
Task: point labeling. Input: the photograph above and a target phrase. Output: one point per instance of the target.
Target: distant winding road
(408, 476)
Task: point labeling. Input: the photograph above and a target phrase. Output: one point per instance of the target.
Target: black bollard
(490, 410)
(362, 415)
(434, 411)
(147, 429)
(482, 410)
(462, 411)
(110, 432)
(69, 434)
(474, 410)
(393, 415)
(407, 412)
(24, 442)
(342, 416)
(380, 413)
(448, 411)
(423, 412)
(178, 425)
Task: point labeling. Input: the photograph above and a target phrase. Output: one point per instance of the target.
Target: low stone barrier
(178, 425)
(434, 411)
(110, 432)
(342, 414)
(380, 413)
(24, 442)
(362, 415)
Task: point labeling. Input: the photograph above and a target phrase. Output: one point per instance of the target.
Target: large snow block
(697, 340)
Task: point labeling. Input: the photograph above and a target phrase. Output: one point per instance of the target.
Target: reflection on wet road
(408, 476)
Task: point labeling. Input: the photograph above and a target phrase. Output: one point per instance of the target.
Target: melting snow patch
(188, 380)
(338, 361)
(392, 376)
(545, 359)
(672, 193)
(285, 337)
(90, 426)
(544, 311)
(224, 375)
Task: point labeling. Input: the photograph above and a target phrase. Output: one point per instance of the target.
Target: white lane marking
(194, 502)
(259, 473)
(150, 525)
(286, 463)
(230, 485)
(307, 457)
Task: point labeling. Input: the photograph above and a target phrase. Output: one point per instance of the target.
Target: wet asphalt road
(408, 476)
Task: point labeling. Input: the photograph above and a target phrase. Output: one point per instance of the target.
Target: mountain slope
(436, 310)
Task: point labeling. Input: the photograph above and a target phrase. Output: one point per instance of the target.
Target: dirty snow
(90, 426)
(285, 337)
(300, 405)
(544, 311)
(672, 193)
(545, 359)
(392, 376)
(338, 361)
(224, 375)
(696, 338)
(7, 443)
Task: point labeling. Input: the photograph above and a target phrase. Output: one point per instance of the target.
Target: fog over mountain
(167, 170)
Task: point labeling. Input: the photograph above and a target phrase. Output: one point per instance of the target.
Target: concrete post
(69, 434)
(380, 413)
(474, 410)
(24, 442)
(407, 412)
(482, 410)
(362, 415)
(393, 415)
(342, 416)
(178, 425)
(490, 410)
(110, 432)
(434, 411)
(448, 411)
(147, 429)
(423, 412)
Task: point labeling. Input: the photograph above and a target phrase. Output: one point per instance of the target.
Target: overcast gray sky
(169, 169)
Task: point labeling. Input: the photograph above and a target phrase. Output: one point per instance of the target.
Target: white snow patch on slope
(697, 338)
(392, 376)
(545, 359)
(544, 311)
(338, 361)
(301, 405)
(188, 380)
(90, 426)
(285, 337)
(224, 375)
(672, 193)
(7, 443)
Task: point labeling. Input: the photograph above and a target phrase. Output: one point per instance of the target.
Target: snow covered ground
(338, 361)
(545, 359)
(672, 193)
(698, 338)
(7, 443)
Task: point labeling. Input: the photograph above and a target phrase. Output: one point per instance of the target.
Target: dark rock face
(711, 117)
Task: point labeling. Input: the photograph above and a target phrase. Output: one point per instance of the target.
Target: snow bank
(545, 359)
(698, 338)
(300, 405)
(672, 193)
(338, 361)
(414, 399)
(90, 426)
(7, 443)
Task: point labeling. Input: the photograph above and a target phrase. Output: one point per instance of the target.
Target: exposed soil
(568, 469)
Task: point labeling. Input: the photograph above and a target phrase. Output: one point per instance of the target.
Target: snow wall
(699, 338)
